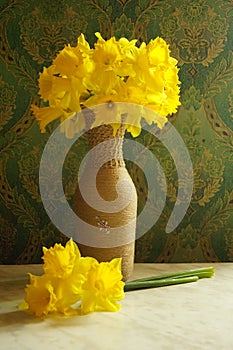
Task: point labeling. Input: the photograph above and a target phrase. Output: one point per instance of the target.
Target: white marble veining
(183, 317)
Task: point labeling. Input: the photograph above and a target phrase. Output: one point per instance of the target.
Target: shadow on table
(21, 318)
(17, 317)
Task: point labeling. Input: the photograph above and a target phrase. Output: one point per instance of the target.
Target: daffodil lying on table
(72, 284)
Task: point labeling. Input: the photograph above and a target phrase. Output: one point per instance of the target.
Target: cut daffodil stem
(129, 286)
(170, 279)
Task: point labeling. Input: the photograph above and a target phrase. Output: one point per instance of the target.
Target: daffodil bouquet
(113, 71)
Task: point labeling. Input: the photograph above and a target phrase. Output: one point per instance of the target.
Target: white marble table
(196, 315)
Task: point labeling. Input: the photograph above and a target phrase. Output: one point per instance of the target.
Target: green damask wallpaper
(200, 34)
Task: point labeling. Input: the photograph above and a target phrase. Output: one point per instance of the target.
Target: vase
(115, 221)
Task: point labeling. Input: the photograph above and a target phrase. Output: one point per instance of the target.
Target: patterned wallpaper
(200, 34)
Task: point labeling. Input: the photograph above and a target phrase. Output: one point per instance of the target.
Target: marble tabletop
(190, 316)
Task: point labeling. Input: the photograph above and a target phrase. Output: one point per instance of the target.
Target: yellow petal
(116, 264)
(72, 247)
(46, 79)
(23, 305)
(46, 115)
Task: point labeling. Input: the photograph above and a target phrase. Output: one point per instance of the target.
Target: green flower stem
(170, 279)
(132, 285)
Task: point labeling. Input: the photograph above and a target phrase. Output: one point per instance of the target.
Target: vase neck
(105, 147)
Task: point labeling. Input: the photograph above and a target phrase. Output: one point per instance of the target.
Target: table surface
(190, 316)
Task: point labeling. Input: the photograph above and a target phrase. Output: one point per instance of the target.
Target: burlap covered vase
(113, 214)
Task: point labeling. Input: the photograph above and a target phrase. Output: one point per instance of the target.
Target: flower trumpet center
(99, 285)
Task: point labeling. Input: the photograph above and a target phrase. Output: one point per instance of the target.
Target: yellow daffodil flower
(107, 54)
(40, 297)
(69, 62)
(158, 53)
(46, 115)
(103, 287)
(60, 261)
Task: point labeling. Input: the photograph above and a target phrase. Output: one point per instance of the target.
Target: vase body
(115, 221)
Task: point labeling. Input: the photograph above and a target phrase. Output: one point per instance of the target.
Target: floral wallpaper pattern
(200, 34)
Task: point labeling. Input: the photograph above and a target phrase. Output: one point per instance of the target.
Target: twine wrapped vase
(115, 221)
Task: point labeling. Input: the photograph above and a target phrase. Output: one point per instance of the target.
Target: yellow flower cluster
(114, 71)
(73, 284)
